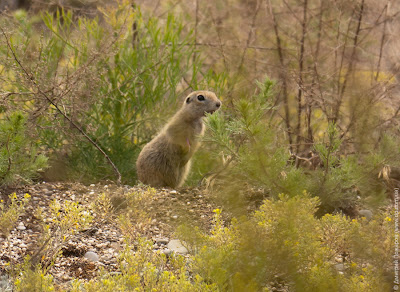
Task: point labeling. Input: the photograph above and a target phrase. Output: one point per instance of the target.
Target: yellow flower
(388, 219)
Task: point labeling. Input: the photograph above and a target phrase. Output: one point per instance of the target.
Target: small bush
(10, 214)
(33, 278)
(19, 158)
(253, 153)
(283, 244)
(118, 79)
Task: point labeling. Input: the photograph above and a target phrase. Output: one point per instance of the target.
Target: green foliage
(254, 153)
(33, 279)
(10, 215)
(19, 157)
(283, 243)
(135, 78)
(113, 77)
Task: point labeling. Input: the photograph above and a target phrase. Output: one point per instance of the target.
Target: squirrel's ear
(188, 100)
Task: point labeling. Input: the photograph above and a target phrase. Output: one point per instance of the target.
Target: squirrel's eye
(200, 97)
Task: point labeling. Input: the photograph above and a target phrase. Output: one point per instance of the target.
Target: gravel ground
(84, 252)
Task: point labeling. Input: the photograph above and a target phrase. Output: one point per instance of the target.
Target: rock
(173, 192)
(116, 246)
(102, 245)
(366, 213)
(21, 226)
(176, 246)
(340, 267)
(175, 217)
(91, 256)
(5, 284)
(167, 252)
(161, 240)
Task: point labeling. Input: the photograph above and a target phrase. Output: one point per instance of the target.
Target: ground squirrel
(165, 160)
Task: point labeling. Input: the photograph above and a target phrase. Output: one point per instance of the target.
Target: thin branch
(221, 46)
(196, 24)
(301, 66)
(283, 74)
(382, 42)
(32, 79)
(315, 79)
(352, 57)
(253, 24)
(4, 95)
(135, 34)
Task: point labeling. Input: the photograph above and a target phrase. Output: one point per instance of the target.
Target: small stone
(92, 185)
(91, 256)
(167, 252)
(340, 267)
(102, 245)
(5, 283)
(173, 192)
(115, 245)
(176, 246)
(175, 217)
(339, 259)
(21, 226)
(91, 193)
(366, 213)
(161, 240)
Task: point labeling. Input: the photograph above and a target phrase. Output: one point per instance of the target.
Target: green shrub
(33, 278)
(253, 153)
(10, 215)
(19, 158)
(118, 79)
(283, 244)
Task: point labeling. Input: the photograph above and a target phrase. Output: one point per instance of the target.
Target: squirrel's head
(201, 102)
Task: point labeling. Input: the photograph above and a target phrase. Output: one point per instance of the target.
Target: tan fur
(165, 160)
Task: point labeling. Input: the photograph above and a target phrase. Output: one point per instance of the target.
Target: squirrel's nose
(218, 104)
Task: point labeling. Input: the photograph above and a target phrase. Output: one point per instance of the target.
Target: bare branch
(301, 66)
(283, 75)
(250, 35)
(351, 64)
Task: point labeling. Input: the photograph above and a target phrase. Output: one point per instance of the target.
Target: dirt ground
(103, 238)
